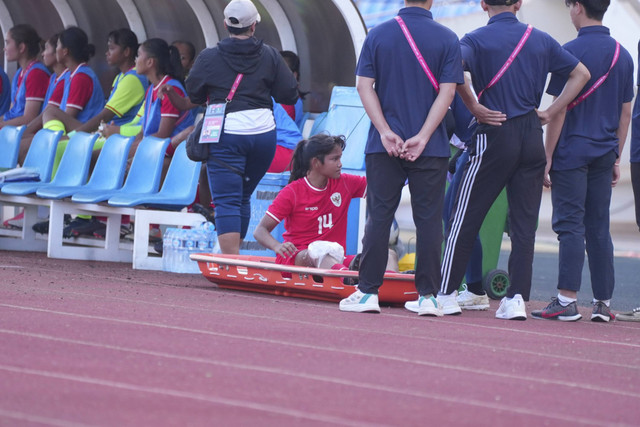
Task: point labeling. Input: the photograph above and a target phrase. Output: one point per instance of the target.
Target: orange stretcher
(262, 274)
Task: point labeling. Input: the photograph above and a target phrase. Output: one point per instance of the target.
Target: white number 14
(325, 221)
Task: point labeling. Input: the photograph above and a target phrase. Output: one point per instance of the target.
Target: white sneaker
(359, 302)
(512, 308)
(448, 303)
(467, 300)
(428, 306)
(413, 306)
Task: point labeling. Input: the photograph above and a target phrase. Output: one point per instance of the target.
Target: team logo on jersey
(336, 199)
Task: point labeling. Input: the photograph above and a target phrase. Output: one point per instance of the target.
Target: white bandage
(320, 249)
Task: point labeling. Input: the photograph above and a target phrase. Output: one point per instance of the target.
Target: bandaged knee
(321, 249)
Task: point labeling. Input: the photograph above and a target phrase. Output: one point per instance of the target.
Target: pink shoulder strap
(598, 82)
(510, 60)
(417, 53)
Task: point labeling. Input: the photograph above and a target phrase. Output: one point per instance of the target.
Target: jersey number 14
(325, 222)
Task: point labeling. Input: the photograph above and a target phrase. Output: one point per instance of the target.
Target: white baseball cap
(240, 14)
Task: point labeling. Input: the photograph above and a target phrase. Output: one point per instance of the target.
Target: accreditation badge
(212, 123)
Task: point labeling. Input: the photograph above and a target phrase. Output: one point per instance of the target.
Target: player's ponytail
(76, 41)
(167, 57)
(316, 146)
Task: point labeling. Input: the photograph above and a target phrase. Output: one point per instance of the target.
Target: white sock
(606, 302)
(565, 301)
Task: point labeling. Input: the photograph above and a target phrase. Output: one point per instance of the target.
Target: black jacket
(266, 75)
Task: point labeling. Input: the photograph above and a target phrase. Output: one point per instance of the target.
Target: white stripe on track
(244, 404)
(367, 354)
(376, 386)
(37, 419)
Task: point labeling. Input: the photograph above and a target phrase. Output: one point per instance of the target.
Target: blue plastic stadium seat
(318, 123)
(39, 157)
(10, 137)
(144, 173)
(107, 175)
(73, 168)
(178, 189)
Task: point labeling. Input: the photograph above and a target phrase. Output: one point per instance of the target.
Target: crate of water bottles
(179, 243)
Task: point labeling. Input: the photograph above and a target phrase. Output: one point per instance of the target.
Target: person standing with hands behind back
(241, 157)
(509, 62)
(407, 76)
(584, 145)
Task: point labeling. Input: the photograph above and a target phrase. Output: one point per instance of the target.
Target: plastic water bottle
(167, 249)
(209, 231)
(179, 244)
(202, 238)
(192, 248)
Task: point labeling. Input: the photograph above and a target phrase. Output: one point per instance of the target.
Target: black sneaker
(556, 311)
(42, 227)
(601, 313)
(81, 227)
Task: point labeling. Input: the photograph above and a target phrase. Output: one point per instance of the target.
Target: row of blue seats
(107, 179)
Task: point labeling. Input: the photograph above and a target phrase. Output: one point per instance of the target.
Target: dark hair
(316, 146)
(25, 33)
(125, 38)
(238, 31)
(76, 40)
(53, 40)
(190, 47)
(168, 57)
(595, 9)
(293, 62)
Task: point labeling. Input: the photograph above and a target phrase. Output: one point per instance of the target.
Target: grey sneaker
(601, 313)
(556, 311)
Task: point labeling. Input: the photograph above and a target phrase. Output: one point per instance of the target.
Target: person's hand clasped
(413, 148)
(392, 143)
(286, 249)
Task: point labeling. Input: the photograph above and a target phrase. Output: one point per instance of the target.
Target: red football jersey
(80, 90)
(311, 213)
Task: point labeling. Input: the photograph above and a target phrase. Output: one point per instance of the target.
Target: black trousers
(510, 155)
(635, 183)
(386, 177)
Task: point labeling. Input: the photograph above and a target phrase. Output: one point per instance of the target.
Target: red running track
(100, 344)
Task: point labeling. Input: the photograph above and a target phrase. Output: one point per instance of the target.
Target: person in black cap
(508, 62)
(247, 143)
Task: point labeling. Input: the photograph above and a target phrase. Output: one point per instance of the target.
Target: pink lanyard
(507, 64)
(236, 83)
(598, 82)
(417, 53)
